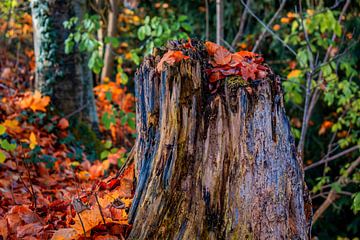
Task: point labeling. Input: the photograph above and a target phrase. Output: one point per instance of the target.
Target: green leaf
(113, 41)
(356, 203)
(107, 120)
(2, 157)
(336, 186)
(2, 129)
(186, 26)
(108, 144)
(147, 20)
(141, 33)
(7, 146)
(147, 30)
(104, 154)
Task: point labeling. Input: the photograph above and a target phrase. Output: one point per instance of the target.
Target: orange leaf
(170, 58)
(35, 102)
(63, 124)
(216, 76)
(211, 47)
(222, 56)
(247, 54)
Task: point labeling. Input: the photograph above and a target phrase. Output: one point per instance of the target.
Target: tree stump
(213, 164)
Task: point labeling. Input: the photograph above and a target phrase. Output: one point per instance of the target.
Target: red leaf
(248, 70)
(216, 76)
(222, 56)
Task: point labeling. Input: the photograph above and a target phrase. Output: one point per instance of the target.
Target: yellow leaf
(83, 175)
(32, 141)
(12, 125)
(294, 74)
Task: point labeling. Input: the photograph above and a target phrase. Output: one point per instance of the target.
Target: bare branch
(241, 26)
(329, 159)
(207, 20)
(309, 107)
(333, 195)
(268, 29)
(262, 35)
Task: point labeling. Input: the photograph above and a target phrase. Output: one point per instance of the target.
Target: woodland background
(47, 156)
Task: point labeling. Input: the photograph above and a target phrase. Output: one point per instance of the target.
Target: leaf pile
(224, 63)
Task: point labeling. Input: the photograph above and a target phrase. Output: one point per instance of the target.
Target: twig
(329, 159)
(268, 29)
(77, 110)
(227, 44)
(101, 213)
(333, 195)
(309, 77)
(241, 26)
(82, 224)
(316, 94)
(262, 35)
(206, 20)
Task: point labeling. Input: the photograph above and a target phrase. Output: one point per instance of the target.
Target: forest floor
(50, 186)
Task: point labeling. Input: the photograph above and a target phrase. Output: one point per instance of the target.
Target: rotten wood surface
(217, 165)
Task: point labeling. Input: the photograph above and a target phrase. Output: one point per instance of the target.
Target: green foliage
(155, 31)
(84, 37)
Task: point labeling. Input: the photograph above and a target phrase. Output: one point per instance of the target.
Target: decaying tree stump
(213, 164)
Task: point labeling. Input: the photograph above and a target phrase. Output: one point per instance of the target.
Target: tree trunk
(109, 56)
(213, 165)
(66, 78)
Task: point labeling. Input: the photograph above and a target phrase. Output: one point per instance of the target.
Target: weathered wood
(213, 166)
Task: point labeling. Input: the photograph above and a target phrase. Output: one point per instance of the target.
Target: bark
(66, 78)
(214, 166)
(109, 56)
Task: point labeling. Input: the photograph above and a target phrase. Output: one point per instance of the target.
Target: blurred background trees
(313, 45)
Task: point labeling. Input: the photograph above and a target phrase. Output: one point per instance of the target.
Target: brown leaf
(32, 229)
(222, 56)
(3, 229)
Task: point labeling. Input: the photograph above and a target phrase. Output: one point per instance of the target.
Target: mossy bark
(66, 78)
(214, 165)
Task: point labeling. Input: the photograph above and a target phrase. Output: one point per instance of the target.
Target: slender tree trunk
(64, 77)
(109, 56)
(219, 21)
(214, 166)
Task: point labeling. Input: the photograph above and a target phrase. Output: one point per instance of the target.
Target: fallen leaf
(65, 234)
(35, 102)
(32, 141)
(32, 229)
(211, 47)
(222, 56)
(63, 124)
(3, 229)
(170, 58)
